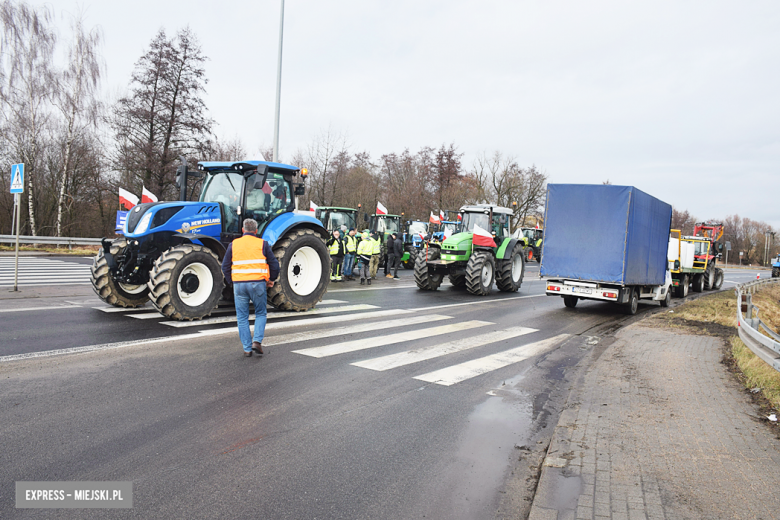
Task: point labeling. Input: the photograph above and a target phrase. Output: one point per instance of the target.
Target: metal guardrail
(749, 324)
(59, 241)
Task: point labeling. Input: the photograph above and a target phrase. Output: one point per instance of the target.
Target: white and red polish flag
(127, 199)
(441, 214)
(460, 217)
(434, 219)
(447, 233)
(380, 209)
(482, 237)
(537, 225)
(147, 196)
(312, 206)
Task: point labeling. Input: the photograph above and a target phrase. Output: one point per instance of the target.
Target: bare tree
(164, 115)
(683, 221)
(76, 98)
(26, 80)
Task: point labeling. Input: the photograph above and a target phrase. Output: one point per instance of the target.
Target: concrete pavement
(655, 428)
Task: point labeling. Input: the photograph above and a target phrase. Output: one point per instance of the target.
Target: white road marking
(422, 354)
(379, 341)
(271, 315)
(363, 327)
(55, 307)
(457, 373)
(477, 301)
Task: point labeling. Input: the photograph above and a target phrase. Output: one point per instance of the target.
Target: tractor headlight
(144, 224)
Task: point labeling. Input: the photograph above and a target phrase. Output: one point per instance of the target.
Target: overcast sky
(679, 98)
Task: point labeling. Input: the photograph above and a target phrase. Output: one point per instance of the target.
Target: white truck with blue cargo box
(606, 243)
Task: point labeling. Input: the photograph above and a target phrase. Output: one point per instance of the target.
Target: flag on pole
(434, 219)
(482, 237)
(127, 199)
(441, 215)
(447, 232)
(380, 209)
(422, 237)
(147, 196)
(312, 206)
(460, 217)
(537, 225)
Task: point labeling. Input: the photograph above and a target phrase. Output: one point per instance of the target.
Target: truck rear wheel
(633, 303)
(480, 273)
(186, 282)
(570, 301)
(698, 282)
(426, 280)
(304, 271)
(113, 292)
(511, 271)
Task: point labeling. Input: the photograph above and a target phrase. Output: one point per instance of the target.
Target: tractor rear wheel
(480, 273)
(457, 280)
(111, 291)
(698, 283)
(570, 301)
(511, 271)
(186, 282)
(409, 264)
(426, 280)
(718, 279)
(304, 271)
(709, 277)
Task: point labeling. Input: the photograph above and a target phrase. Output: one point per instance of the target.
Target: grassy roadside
(62, 250)
(716, 315)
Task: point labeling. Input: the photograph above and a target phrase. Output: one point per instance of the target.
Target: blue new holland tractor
(776, 267)
(171, 252)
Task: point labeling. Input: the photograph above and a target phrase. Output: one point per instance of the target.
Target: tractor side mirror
(300, 189)
(720, 248)
(365, 217)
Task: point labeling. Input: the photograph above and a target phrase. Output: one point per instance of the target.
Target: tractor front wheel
(709, 277)
(304, 271)
(457, 280)
(511, 271)
(718, 279)
(426, 280)
(480, 273)
(113, 292)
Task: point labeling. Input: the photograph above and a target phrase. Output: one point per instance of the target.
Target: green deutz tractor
(475, 266)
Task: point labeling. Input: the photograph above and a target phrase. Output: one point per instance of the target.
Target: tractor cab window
(337, 219)
(500, 229)
(418, 227)
(700, 248)
(387, 225)
(225, 189)
(266, 200)
(471, 219)
(449, 228)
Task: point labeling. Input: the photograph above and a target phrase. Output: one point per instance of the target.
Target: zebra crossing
(37, 271)
(332, 322)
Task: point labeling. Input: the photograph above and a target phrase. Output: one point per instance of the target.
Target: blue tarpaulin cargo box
(605, 233)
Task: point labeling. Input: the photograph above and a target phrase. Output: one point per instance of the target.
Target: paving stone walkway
(657, 428)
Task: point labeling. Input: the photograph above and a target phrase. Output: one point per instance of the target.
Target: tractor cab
(415, 230)
(334, 218)
(385, 225)
(492, 219)
(253, 189)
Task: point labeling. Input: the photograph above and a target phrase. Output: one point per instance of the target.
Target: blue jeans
(243, 292)
(349, 262)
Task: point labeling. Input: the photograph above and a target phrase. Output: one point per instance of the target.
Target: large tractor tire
(776, 272)
(186, 282)
(480, 273)
(698, 283)
(110, 291)
(457, 280)
(709, 278)
(409, 264)
(304, 271)
(682, 289)
(510, 273)
(718, 279)
(424, 279)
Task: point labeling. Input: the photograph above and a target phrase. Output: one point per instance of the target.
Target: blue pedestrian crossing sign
(17, 178)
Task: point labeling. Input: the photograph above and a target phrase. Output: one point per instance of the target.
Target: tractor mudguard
(110, 260)
(506, 248)
(281, 224)
(204, 240)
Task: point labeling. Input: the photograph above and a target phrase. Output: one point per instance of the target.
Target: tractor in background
(384, 226)
(171, 252)
(415, 238)
(476, 267)
(533, 239)
(692, 259)
(776, 267)
(333, 218)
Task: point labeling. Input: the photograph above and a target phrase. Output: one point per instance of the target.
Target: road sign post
(17, 188)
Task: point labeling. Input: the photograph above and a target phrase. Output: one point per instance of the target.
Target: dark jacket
(273, 263)
(398, 247)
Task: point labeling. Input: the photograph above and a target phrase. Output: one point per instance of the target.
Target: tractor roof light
(304, 172)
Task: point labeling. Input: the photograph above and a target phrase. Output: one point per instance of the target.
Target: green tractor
(384, 226)
(469, 259)
(333, 218)
(532, 239)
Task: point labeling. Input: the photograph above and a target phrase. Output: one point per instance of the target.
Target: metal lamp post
(278, 85)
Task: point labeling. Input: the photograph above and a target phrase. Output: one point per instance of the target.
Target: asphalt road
(340, 419)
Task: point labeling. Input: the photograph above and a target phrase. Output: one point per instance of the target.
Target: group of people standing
(352, 253)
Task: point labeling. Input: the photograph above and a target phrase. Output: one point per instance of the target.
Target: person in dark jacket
(395, 250)
(250, 267)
